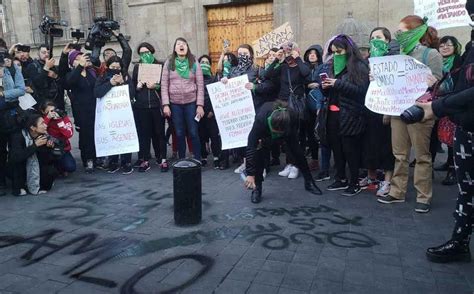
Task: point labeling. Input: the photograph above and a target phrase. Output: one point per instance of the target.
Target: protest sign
(26, 101)
(150, 73)
(234, 111)
(115, 131)
(443, 14)
(275, 38)
(398, 81)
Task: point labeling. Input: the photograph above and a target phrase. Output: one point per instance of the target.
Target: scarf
(245, 61)
(227, 67)
(147, 58)
(182, 67)
(409, 39)
(32, 167)
(340, 61)
(275, 135)
(378, 48)
(448, 63)
(206, 69)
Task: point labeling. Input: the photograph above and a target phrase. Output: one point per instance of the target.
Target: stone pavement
(105, 233)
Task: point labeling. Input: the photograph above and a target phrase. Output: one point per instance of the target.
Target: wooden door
(238, 24)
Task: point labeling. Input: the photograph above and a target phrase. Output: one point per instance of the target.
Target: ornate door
(238, 24)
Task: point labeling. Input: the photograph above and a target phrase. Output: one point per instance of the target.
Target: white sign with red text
(443, 14)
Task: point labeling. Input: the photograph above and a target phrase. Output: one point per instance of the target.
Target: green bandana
(378, 48)
(275, 135)
(147, 58)
(448, 63)
(227, 67)
(182, 67)
(409, 39)
(340, 62)
(206, 69)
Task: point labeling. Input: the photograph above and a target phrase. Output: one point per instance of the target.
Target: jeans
(67, 163)
(325, 158)
(183, 120)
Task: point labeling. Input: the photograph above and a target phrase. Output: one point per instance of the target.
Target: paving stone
(232, 286)
(275, 266)
(269, 278)
(262, 289)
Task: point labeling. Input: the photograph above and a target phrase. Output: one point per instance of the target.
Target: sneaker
(164, 167)
(450, 179)
(113, 168)
(422, 207)
(294, 172)
(138, 163)
(450, 251)
(389, 200)
(338, 185)
(351, 191)
(40, 192)
(323, 176)
(368, 184)
(286, 171)
(240, 169)
(89, 166)
(216, 163)
(313, 164)
(127, 169)
(384, 189)
(21, 192)
(145, 166)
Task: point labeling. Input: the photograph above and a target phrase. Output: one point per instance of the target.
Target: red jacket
(61, 129)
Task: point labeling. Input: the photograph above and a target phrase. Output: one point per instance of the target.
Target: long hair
(357, 69)
(232, 58)
(174, 55)
(430, 38)
(456, 44)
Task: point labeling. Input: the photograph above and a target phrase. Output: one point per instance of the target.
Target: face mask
(410, 39)
(206, 69)
(378, 48)
(340, 62)
(244, 61)
(111, 72)
(147, 58)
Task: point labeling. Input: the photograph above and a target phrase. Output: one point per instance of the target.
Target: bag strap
(424, 59)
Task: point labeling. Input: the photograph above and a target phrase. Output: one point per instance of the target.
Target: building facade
(205, 23)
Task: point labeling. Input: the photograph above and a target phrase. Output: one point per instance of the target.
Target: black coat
(459, 107)
(144, 97)
(299, 76)
(266, 88)
(207, 99)
(44, 87)
(103, 86)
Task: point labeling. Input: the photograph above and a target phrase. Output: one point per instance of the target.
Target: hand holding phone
(323, 76)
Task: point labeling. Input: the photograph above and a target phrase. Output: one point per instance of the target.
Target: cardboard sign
(234, 111)
(273, 39)
(443, 14)
(115, 131)
(398, 81)
(150, 73)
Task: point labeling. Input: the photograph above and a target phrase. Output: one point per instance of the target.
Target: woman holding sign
(413, 32)
(182, 91)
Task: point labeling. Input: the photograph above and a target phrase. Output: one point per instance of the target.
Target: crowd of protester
(306, 102)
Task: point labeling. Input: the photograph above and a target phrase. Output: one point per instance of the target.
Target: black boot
(257, 194)
(449, 252)
(450, 178)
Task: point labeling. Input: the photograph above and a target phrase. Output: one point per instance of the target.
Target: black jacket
(207, 100)
(260, 137)
(144, 97)
(300, 76)
(459, 107)
(44, 87)
(103, 86)
(266, 88)
(350, 98)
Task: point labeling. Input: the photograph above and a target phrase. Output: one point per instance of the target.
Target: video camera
(48, 26)
(101, 32)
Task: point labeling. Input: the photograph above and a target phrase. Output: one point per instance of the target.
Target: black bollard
(187, 192)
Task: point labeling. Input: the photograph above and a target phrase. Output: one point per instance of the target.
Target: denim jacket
(13, 87)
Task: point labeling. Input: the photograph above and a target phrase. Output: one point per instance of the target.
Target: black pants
(3, 157)
(151, 129)
(208, 129)
(124, 159)
(346, 149)
(464, 162)
(86, 133)
(307, 136)
(260, 163)
(434, 142)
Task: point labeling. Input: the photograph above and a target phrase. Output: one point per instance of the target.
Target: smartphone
(197, 118)
(323, 76)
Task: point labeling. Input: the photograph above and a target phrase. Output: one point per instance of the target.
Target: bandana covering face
(206, 69)
(409, 39)
(378, 48)
(147, 58)
(244, 61)
(340, 62)
(182, 67)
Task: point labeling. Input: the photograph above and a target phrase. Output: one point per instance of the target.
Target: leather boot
(257, 194)
(450, 178)
(449, 252)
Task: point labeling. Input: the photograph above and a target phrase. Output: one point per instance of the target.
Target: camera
(48, 26)
(23, 48)
(101, 32)
(77, 34)
(413, 114)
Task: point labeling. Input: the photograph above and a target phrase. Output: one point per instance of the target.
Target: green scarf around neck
(340, 62)
(378, 48)
(409, 39)
(227, 67)
(206, 69)
(182, 67)
(448, 63)
(147, 58)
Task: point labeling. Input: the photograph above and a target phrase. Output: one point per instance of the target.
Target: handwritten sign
(150, 73)
(443, 14)
(234, 111)
(115, 131)
(275, 38)
(398, 81)
(26, 101)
